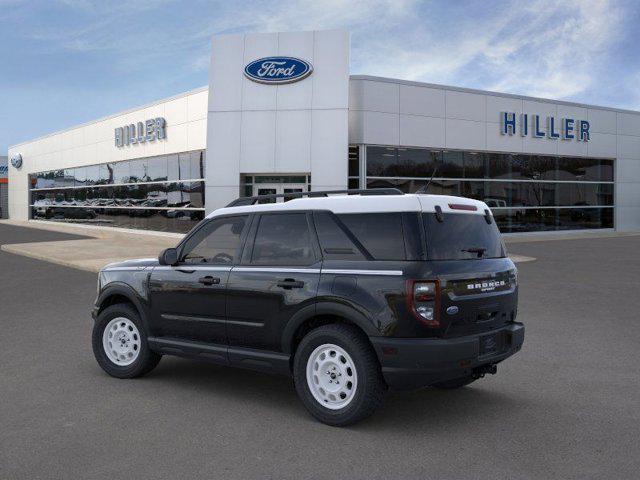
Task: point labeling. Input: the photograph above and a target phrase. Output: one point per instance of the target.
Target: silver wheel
(331, 376)
(121, 341)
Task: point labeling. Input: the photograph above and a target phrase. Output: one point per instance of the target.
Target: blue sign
(570, 129)
(278, 70)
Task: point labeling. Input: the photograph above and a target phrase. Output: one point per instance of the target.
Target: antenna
(425, 189)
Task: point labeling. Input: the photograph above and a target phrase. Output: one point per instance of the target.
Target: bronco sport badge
(486, 286)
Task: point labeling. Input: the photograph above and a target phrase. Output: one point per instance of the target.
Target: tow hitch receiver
(483, 370)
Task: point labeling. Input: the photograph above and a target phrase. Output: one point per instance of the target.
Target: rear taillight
(424, 301)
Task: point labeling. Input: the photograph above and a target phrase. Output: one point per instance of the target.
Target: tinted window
(283, 240)
(120, 172)
(216, 243)
(459, 233)
(379, 233)
(452, 165)
(138, 171)
(334, 241)
(475, 165)
(158, 169)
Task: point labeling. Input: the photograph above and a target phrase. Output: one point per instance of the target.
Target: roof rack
(246, 201)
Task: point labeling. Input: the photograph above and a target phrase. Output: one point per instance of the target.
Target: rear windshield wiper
(478, 250)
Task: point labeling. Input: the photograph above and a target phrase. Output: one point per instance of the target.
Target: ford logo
(277, 70)
(16, 160)
(452, 310)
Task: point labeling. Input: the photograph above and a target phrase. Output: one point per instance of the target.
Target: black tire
(370, 388)
(455, 383)
(146, 360)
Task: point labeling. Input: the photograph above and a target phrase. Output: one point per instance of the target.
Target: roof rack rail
(246, 201)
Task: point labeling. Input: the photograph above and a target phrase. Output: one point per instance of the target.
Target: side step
(252, 359)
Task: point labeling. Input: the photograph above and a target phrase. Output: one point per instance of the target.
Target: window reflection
(132, 193)
(416, 162)
(138, 171)
(526, 192)
(158, 169)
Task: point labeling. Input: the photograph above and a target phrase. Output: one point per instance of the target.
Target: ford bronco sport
(349, 292)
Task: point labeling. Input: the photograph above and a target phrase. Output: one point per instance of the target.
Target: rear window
(462, 236)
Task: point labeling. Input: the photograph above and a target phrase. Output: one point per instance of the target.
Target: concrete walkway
(105, 245)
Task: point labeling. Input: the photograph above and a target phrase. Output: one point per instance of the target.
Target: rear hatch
(478, 282)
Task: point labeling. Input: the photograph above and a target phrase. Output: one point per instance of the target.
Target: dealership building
(282, 114)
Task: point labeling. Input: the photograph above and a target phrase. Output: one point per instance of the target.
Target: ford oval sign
(16, 160)
(278, 70)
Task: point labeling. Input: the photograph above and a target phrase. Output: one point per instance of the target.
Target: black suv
(350, 294)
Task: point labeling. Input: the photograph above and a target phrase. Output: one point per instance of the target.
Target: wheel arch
(121, 293)
(319, 314)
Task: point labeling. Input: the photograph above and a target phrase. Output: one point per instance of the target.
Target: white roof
(364, 204)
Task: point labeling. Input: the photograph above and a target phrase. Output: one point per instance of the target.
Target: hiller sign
(525, 124)
(147, 131)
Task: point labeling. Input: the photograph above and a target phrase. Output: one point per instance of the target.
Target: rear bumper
(409, 363)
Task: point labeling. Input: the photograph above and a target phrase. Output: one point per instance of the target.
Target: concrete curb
(15, 250)
(521, 258)
(91, 230)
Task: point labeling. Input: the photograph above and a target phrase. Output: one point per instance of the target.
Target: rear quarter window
(380, 233)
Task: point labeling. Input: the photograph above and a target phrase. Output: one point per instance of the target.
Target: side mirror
(168, 257)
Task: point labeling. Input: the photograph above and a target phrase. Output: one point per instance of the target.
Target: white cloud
(540, 48)
(565, 39)
(545, 49)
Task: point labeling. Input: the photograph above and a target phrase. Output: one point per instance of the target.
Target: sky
(66, 62)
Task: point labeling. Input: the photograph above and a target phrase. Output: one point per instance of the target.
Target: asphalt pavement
(567, 406)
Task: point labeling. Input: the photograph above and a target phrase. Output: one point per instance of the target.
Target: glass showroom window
(525, 192)
(157, 193)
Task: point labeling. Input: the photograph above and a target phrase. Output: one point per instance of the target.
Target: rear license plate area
(491, 344)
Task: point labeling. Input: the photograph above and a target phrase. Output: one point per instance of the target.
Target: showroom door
(278, 188)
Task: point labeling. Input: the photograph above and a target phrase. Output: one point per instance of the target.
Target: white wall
(395, 112)
(185, 115)
(299, 127)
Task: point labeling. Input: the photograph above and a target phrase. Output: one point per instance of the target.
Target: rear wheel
(337, 375)
(455, 383)
(120, 343)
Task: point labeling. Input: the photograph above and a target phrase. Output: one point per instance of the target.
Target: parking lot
(565, 407)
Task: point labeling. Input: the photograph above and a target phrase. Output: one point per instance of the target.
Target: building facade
(282, 114)
(4, 187)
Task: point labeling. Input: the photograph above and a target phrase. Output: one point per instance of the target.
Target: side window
(283, 239)
(216, 243)
(334, 241)
(380, 233)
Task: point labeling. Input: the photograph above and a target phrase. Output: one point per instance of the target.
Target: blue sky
(70, 61)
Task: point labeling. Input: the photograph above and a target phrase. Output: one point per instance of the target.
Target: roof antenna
(425, 189)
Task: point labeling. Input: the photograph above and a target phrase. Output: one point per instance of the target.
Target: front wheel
(120, 343)
(337, 375)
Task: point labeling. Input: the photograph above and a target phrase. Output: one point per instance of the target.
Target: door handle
(208, 280)
(289, 283)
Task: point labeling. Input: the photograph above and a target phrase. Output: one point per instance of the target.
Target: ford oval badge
(452, 310)
(16, 160)
(277, 70)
